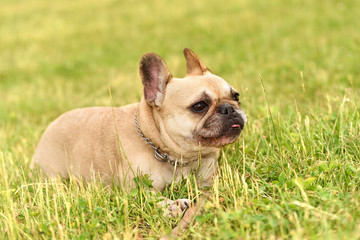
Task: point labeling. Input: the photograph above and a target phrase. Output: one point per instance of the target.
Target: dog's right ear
(155, 76)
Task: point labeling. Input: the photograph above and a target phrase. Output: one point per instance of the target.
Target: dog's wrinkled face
(200, 109)
(203, 109)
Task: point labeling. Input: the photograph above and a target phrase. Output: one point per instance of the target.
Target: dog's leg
(174, 208)
(189, 215)
(187, 218)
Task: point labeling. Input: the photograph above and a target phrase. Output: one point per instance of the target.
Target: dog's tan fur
(105, 141)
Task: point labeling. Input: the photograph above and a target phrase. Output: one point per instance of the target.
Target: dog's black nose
(226, 109)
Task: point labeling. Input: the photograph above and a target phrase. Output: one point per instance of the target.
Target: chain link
(158, 154)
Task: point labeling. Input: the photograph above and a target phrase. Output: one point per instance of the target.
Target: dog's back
(79, 138)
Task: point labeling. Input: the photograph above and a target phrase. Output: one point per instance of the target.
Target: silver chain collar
(158, 154)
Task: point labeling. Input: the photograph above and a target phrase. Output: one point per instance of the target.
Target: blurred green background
(63, 54)
(59, 55)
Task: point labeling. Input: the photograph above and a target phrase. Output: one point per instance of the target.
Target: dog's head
(199, 109)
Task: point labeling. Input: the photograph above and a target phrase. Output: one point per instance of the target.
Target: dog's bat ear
(155, 75)
(193, 63)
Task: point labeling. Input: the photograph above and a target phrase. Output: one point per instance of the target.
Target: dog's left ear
(193, 63)
(155, 76)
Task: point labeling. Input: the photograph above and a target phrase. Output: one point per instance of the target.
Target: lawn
(293, 174)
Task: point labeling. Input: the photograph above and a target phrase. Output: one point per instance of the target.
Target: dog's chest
(203, 172)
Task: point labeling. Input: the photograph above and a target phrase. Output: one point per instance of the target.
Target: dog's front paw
(177, 207)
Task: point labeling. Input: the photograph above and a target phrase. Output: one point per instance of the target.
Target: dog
(179, 125)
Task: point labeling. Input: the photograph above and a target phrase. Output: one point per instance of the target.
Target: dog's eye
(199, 107)
(236, 97)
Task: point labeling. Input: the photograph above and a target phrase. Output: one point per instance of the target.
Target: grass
(293, 174)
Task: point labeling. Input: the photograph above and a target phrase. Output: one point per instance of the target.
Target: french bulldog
(179, 125)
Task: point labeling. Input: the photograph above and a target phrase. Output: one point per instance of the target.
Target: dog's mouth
(221, 129)
(228, 136)
(217, 142)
